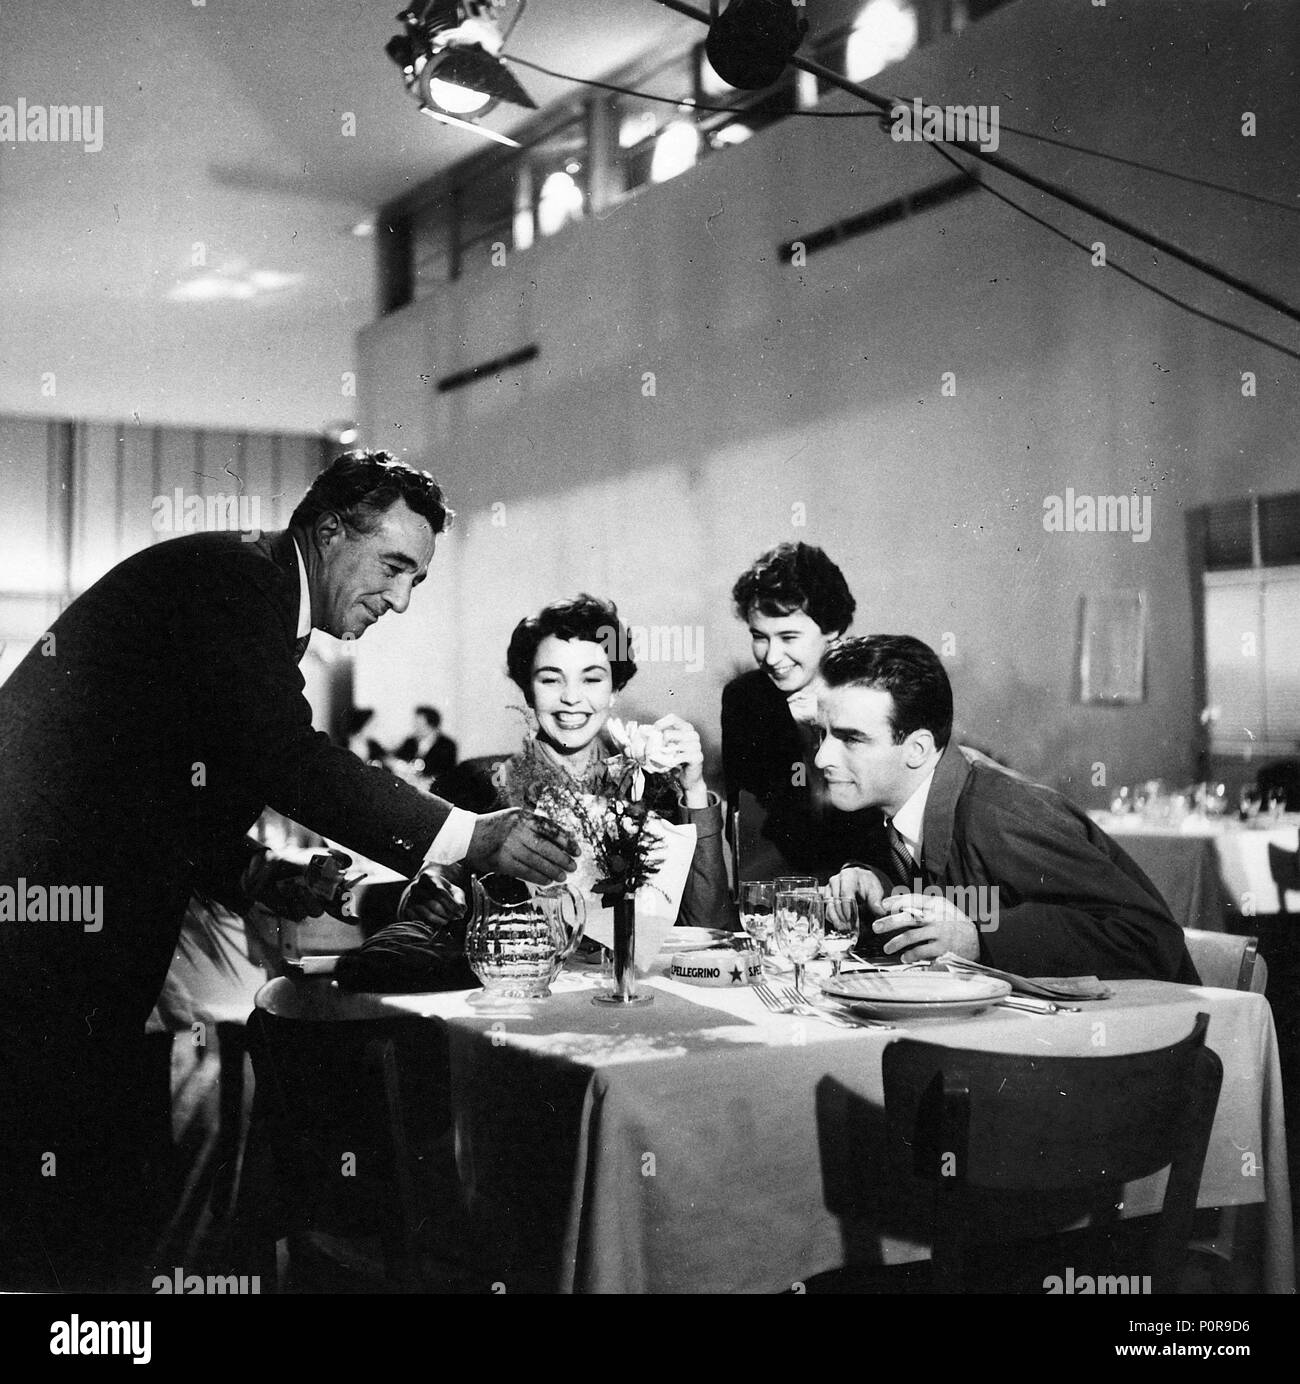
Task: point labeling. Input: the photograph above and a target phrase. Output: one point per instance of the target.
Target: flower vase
(624, 990)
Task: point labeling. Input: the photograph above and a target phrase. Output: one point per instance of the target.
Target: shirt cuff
(451, 845)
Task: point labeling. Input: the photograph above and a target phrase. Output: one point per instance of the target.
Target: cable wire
(1118, 268)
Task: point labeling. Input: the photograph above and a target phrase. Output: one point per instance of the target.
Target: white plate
(916, 994)
(939, 1009)
(682, 939)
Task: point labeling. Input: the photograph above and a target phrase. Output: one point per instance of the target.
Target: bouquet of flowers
(609, 807)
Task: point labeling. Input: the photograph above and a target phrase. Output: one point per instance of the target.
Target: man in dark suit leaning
(1054, 895)
(139, 740)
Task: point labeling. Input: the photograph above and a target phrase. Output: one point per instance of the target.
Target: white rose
(643, 745)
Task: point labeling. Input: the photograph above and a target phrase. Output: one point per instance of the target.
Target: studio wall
(908, 399)
(80, 497)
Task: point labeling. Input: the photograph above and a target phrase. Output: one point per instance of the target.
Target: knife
(1036, 1006)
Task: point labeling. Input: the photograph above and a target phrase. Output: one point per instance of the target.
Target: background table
(705, 1145)
(1208, 871)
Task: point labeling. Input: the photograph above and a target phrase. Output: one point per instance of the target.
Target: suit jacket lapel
(941, 811)
(279, 550)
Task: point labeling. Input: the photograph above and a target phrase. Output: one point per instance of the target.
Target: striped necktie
(903, 867)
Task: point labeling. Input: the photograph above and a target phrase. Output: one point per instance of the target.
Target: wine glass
(1276, 803)
(1251, 800)
(841, 930)
(800, 925)
(756, 898)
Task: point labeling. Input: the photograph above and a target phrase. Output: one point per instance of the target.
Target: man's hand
(431, 898)
(803, 704)
(516, 843)
(294, 891)
(856, 883)
(921, 927)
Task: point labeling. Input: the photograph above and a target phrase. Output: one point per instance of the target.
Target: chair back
(336, 1135)
(1283, 774)
(1284, 867)
(1000, 1124)
(471, 783)
(1227, 961)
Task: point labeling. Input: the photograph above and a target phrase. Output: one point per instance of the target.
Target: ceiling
(218, 212)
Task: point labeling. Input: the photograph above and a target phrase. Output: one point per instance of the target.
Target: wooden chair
(1229, 962)
(1005, 1137)
(347, 1135)
(1226, 960)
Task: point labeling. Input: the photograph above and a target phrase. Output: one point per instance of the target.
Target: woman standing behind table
(558, 659)
(796, 604)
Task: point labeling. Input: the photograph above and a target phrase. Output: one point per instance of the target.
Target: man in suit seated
(140, 739)
(1053, 894)
(427, 746)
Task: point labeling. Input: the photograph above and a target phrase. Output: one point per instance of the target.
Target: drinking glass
(800, 925)
(1276, 803)
(1251, 800)
(756, 898)
(784, 883)
(841, 930)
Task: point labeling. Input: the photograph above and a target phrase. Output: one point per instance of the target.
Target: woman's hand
(682, 741)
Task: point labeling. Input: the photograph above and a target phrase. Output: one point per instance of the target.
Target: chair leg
(231, 1048)
(402, 1245)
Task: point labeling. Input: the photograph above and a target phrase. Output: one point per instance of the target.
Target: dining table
(704, 1144)
(1212, 871)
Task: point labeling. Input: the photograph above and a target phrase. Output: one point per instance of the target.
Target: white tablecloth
(704, 1144)
(1241, 854)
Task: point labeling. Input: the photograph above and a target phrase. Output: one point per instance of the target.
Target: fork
(802, 1004)
(778, 1004)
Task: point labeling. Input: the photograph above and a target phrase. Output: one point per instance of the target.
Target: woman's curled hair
(582, 617)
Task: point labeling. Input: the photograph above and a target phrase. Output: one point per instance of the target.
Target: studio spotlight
(750, 43)
(450, 60)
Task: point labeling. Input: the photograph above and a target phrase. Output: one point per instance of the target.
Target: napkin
(1046, 987)
(656, 903)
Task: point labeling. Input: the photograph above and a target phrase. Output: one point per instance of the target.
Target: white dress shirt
(909, 820)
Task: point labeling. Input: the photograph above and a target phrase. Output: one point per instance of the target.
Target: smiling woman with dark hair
(796, 604)
(570, 661)
(585, 618)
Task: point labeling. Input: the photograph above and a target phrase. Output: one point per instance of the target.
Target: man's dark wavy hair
(583, 617)
(360, 486)
(910, 671)
(796, 576)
